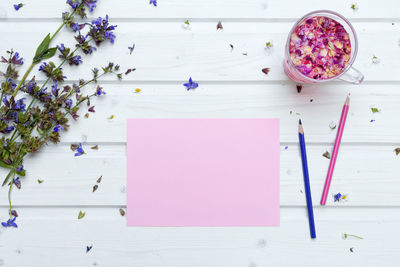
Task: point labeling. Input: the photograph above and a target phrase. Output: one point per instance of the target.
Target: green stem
(23, 79)
(33, 64)
(9, 194)
(58, 30)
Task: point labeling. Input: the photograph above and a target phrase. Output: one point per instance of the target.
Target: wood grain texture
(318, 106)
(212, 9)
(166, 52)
(231, 85)
(368, 174)
(55, 237)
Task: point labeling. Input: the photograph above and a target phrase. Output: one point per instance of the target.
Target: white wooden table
(231, 85)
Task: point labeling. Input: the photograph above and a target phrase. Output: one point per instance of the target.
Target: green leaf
(40, 181)
(4, 165)
(81, 215)
(374, 110)
(49, 53)
(42, 48)
(8, 177)
(21, 173)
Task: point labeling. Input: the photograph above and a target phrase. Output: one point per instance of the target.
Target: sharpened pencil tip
(300, 122)
(347, 102)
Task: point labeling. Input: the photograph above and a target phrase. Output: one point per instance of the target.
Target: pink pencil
(335, 150)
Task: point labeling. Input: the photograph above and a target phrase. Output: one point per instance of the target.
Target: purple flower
(10, 223)
(337, 197)
(73, 3)
(17, 182)
(100, 30)
(61, 48)
(42, 66)
(79, 150)
(54, 89)
(77, 27)
(19, 105)
(13, 84)
(76, 88)
(153, 2)
(68, 102)
(5, 101)
(191, 84)
(16, 59)
(91, 4)
(9, 129)
(75, 60)
(18, 6)
(110, 36)
(58, 128)
(99, 91)
(20, 168)
(14, 213)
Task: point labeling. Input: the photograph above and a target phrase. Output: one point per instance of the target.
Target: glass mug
(349, 74)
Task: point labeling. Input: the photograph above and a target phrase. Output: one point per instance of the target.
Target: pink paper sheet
(203, 172)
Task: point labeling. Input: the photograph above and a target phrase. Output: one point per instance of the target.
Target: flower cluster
(100, 30)
(42, 114)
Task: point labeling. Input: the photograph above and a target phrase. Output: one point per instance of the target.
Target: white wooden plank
(368, 174)
(216, 9)
(247, 100)
(166, 52)
(55, 237)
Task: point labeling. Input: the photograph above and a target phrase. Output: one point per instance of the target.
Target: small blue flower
(58, 128)
(9, 129)
(68, 102)
(5, 101)
(76, 60)
(61, 48)
(337, 197)
(54, 89)
(30, 87)
(73, 4)
(79, 150)
(91, 4)
(153, 2)
(110, 36)
(19, 105)
(10, 223)
(17, 182)
(99, 91)
(16, 59)
(20, 168)
(18, 6)
(191, 84)
(42, 66)
(13, 84)
(77, 27)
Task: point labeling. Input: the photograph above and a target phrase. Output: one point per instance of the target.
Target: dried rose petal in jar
(320, 48)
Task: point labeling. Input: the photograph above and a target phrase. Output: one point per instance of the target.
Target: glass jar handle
(353, 76)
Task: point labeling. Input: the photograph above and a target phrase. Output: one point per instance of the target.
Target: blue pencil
(306, 181)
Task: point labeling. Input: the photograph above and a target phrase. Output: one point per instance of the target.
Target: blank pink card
(203, 172)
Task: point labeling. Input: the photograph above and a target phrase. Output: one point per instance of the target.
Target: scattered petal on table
(81, 214)
(266, 70)
(327, 155)
(122, 212)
